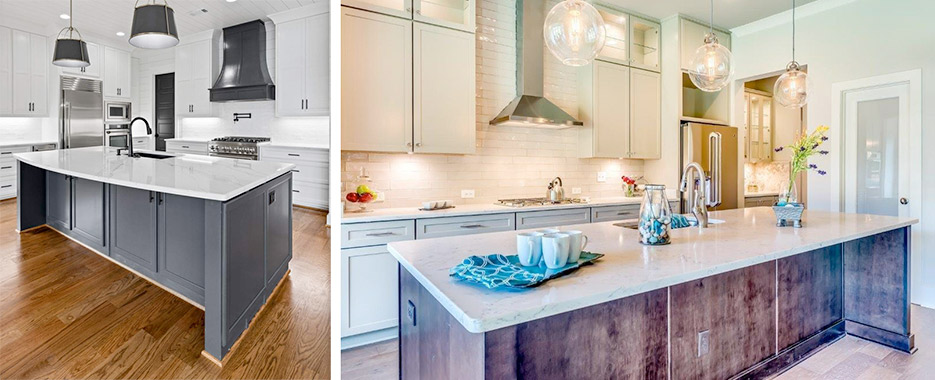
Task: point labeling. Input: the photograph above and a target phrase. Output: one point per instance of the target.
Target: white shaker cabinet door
(22, 72)
(645, 114)
(444, 98)
(39, 76)
(202, 78)
(611, 110)
(369, 290)
(290, 63)
(6, 71)
(376, 82)
(318, 65)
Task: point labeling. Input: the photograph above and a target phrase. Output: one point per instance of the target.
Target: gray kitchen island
(216, 232)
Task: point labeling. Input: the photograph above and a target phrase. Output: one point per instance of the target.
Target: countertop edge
(477, 326)
(168, 190)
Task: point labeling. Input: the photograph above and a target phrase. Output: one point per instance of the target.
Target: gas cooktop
(241, 139)
(524, 202)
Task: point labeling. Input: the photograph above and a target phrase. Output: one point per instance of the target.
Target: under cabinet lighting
(64, 16)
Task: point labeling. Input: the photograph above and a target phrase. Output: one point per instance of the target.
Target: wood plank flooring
(66, 312)
(848, 358)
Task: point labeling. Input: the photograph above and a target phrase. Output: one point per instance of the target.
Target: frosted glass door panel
(878, 157)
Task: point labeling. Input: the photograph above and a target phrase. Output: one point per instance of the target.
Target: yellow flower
(822, 128)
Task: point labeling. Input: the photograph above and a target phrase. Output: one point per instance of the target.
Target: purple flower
(802, 149)
(812, 166)
(815, 146)
(823, 152)
(824, 138)
(822, 172)
(778, 149)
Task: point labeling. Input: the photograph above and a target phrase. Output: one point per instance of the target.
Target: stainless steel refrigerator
(714, 147)
(82, 113)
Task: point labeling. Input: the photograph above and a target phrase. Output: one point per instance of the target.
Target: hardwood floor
(66, 312)
(848, 358)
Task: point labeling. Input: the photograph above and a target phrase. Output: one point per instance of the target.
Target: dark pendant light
(70, 52)
(153, 26)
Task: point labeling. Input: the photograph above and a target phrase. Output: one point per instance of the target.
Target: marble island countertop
(197, 176)
(747, 237)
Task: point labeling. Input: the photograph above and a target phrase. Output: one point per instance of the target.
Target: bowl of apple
(361, 197)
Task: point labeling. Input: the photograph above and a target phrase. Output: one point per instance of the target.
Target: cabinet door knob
(903, 201)
(418, 144)
(409, 144)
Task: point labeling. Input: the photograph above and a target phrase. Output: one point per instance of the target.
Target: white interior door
(877, 150)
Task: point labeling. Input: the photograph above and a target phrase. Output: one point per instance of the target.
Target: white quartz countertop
(747, 237)
(196, 176)
(760, 194)
(385, 214)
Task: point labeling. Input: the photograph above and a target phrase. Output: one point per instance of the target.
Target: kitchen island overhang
(801, 289)
(216, 232)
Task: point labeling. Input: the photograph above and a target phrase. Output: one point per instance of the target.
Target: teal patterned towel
(680, 221)
(496, 270)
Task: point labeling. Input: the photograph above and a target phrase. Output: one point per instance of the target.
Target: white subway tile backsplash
(509, 161)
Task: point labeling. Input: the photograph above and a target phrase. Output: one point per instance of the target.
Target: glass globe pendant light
(154, 26)
(574, 32)
(791, 89)
(711, 67)
(70, 52)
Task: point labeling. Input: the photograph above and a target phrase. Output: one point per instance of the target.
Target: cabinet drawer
(315, 172)
(294, 156)
(377, 233)
(609, 213)
(7, 151)
(7, 167)
(310, 194)
(464, 225)
(7, 187)
(187, 147)
(552, 218)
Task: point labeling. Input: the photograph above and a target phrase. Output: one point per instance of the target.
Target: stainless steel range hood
(530, 108)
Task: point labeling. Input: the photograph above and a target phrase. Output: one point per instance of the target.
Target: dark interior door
(165, 109)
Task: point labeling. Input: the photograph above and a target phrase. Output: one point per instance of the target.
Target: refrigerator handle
(714, 160)
(66, 124)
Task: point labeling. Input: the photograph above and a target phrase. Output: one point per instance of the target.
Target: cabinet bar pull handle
(5, 186)
(6, 152)
(295, 191)
(295, 170)
(151, 197)
(161, 198)
(378, 234)
(6, 167)
(473, 226)
(294, 155)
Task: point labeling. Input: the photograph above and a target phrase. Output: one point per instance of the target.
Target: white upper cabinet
(644, 43)
(691, 37)
(302, 64)
(616, 43)
(6, 71)
(116, 73)
(444, 112)
(376, 82)
(645, 114)
(455, 14)
(196, 62)
(94, 69)
(30, 62)
(604, 105)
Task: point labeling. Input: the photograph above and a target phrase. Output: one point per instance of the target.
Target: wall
(842, 40)
(296, 130)
(509, 162)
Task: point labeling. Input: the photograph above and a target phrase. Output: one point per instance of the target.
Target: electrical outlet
(602, 177)
(704, 344)
(467, 193)
(576, 190)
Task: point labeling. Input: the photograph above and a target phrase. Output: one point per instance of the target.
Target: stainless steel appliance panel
(82, 113)
(117, 112)
(715, 148)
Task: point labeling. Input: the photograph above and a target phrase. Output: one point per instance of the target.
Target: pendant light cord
(793, 30)
(71, 15)
(711, 24)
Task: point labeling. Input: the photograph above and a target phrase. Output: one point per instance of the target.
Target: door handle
(714, 162)
(903, 201)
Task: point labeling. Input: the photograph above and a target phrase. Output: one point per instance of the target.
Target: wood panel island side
(216, 232)
(740, 299)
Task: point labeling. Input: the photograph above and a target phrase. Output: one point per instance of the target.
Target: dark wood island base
(752, 322)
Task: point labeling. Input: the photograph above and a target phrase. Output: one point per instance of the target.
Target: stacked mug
(551, 247)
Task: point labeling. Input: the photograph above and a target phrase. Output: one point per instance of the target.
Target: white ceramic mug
(555, 250)
(577, 243)
(529, 248)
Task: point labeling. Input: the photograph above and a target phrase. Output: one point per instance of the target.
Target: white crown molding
(785, 17)
(298, 13)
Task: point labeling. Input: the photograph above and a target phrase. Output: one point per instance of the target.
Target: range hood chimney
(530, 108)
(244, 75)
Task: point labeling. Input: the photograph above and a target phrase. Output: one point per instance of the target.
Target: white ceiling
(727, 13)
(100, 20)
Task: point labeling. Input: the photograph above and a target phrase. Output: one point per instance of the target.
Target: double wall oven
(117, 124)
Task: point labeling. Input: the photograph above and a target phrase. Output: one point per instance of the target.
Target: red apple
(352, 197)
(366, 198)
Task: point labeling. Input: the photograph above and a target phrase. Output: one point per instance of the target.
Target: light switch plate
(602, 177)
(576, 190)
(704, 344)
(467, 193)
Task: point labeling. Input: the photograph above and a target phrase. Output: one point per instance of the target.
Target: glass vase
(655, 216)
(789, 194)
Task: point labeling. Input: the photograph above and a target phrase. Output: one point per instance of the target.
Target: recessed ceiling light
(64, 16)
(121, 34)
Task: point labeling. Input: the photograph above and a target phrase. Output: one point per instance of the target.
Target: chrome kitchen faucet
(697, 193)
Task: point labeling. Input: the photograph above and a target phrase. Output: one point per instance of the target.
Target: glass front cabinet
(454, 14)
(631, 40)
(758, 124)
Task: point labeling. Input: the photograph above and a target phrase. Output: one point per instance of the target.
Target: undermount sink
(634, 224)
(151, 155)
